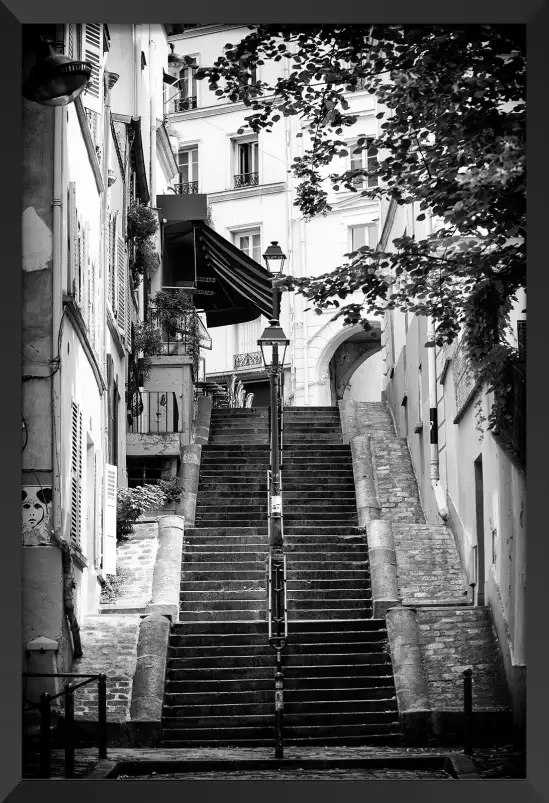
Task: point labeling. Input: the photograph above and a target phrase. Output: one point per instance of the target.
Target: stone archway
(322, 348)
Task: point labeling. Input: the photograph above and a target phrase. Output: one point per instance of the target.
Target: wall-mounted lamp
(55, 79)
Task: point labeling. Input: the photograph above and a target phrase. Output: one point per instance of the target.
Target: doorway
(479, 556)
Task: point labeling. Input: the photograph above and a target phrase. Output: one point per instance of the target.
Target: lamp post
(55, 79)
(270, 341)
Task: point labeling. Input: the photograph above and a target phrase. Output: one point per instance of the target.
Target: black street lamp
(273, 339)
(55, 79)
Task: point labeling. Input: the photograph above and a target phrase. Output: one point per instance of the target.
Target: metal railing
(160, 413)
(511, 424)
(468, 711)
(189, 188)
(246, 180)
(44, 707)
(178, 333)
(184, 104)
(249, 359)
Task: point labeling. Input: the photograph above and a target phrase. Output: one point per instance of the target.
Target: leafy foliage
(451, 139)
(131, 503)
(171, 488)
(142, 226)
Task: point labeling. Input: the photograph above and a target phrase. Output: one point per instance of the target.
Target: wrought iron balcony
(177, 334)
(250, 359)
(184, 104)
(190, 188)
(246, 180)
(159, 413)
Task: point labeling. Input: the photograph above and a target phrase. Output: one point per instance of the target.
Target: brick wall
(396, 484)
(135, 564)
(428, 565)
(452, 640)
(109, 643)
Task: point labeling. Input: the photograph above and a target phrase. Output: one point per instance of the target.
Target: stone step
(308, 741)
(226, 615)
(209, 735)
(300, 720)
(298, 688)
(256, 659)
(222, 575)
(223, 602)
(181, 649)
(204, 596)
(233, 568)
(319, 530)
(265, 707)
(242, 522)
(376, 668)
(317, 595)
(296, 614)
(221, 544)
(203, 532)
(346, 697)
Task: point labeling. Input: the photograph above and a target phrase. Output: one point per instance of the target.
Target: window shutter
(76, 475)
(112, 263)
(129, 307)
(121, 276)
(92, 47)
(74, 252)
(85, 279)
(69, 41)
(109, 521)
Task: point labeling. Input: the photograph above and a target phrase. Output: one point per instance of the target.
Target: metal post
(468, 710)
(102, 715)
(69, 731)
(45, 735)
(279, 707)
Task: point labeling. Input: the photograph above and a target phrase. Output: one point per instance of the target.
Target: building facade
(467, 477)
(86, 164)
(251, 199)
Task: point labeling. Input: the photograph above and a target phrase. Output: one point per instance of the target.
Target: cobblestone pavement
(299, 774)
(490, 763)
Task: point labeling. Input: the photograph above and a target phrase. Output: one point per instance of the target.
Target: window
(251, 72)
(188, 170)
(250, 242)
(247, 164)
(362, 160)
(364, 235)
(187, 98)
(360, 85)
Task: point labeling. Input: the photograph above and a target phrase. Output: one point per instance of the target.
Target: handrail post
(102, 714)
(69, 731)
(468, 710)
(45, 735)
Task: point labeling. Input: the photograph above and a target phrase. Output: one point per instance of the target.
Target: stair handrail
(44, 706)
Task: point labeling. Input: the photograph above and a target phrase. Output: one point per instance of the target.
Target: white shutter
(74, 252)
(92, 49)
(98, 546)
(121, 276)
(109, 521)
(76, 475)
(69, 41)
(85, 280)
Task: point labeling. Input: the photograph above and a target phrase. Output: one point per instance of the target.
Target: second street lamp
(273, 339)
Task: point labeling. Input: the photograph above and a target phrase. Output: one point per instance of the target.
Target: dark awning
(228, 285)
(139, 161)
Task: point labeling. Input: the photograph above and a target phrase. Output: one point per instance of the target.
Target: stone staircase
(338, 677)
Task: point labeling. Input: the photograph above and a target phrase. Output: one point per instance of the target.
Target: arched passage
(325, 384)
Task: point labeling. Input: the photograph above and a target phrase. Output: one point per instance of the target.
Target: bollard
(69, 731)
(102, 715)
(468, 710)
(45, 735)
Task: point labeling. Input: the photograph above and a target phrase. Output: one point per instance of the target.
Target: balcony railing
(159, 414)
(246, 180)
(190, 188)
(184, 104)
(177, 333)
(511, 424)
(251, 359)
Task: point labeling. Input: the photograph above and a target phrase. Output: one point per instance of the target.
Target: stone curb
(410, 682)
(347, 414)
(189, 472)
(383, 567)
(203, 417)
(148, 682)
(167, 568)
(366, 496)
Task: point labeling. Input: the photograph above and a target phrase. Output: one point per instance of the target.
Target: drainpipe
(290, 206)
(57, 312)
(152, 91)
(438, 490)
(303, 260)
(57, 317)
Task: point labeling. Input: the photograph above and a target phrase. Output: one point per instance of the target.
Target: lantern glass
(275, 258)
